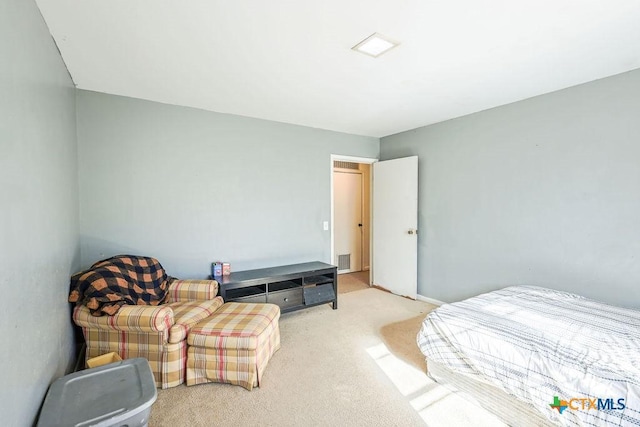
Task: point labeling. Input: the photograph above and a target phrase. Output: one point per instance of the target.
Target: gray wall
(545, 191)
(39, 243)
(190, 187)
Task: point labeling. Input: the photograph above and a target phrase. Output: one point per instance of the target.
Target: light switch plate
(325, 225)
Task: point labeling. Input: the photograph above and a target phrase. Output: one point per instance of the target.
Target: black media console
(292, 287)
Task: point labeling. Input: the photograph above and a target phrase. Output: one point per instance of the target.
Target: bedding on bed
(574, 359)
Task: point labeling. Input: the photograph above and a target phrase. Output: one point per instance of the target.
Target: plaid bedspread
(124, 279)
(577, 361)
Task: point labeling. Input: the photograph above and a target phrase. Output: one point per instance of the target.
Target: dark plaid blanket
(124, 279)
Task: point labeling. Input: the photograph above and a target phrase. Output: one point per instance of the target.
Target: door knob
(412, 231)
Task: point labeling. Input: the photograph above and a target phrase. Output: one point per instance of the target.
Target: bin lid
(101, 396)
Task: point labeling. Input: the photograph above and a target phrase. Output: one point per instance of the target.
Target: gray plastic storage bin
(117, 394)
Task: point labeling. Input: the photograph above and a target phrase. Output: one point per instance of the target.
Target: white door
(347, 192)
(395, 223)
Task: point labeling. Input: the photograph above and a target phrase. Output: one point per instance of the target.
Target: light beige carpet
(351, 282)
(400, 338)
(333, 368)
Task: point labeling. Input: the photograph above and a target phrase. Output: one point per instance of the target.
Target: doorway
(351, 216)
(348, 220)
(392, 256)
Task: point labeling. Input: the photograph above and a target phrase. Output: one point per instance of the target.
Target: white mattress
(536, 343)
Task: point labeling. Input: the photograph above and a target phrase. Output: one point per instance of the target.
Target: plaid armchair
(156, 332)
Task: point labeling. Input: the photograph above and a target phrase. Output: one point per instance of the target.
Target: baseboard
(429, 300)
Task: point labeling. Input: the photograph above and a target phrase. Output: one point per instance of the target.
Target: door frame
(365, 160)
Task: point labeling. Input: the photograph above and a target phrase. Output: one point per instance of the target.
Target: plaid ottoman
(233, 345)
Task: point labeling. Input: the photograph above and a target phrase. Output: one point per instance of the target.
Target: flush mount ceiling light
(375, 45)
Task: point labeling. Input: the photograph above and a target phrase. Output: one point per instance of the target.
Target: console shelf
(292, 287)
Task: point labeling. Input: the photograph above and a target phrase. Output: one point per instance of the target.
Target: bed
(536, 356)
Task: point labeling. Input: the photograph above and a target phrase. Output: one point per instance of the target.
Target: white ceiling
(291, 60)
